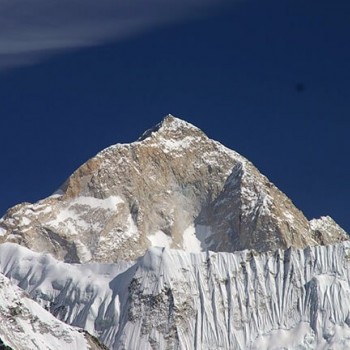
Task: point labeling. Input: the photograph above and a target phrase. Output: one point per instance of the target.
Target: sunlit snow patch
(107, 203)
(72, 220)
(190, 241)
(160, 239)
(300, 337)
(2, 231)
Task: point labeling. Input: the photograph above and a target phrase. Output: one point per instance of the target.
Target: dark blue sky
(235, 74)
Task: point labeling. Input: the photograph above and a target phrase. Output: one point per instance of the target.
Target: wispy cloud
(32, 30)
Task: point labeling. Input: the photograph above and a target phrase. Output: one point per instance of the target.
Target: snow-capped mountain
(176, 242)
(173, 187)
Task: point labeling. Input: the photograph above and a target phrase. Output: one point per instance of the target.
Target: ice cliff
(171, 299)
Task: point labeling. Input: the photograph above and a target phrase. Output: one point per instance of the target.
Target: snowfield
(25, 325)
(293, 299)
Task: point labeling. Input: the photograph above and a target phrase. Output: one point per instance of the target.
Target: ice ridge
(288, 299)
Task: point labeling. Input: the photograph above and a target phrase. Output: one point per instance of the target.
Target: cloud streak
(33, 30)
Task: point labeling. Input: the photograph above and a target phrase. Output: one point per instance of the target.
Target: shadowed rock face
(173, 187)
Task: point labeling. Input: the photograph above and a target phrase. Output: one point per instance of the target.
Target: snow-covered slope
(171, 299)
(80, 295)
(173, 187)
(25, 325)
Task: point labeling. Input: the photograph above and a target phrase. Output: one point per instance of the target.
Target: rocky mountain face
(172, 242)
(174, 187)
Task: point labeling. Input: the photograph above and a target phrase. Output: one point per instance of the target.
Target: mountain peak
(171, 122)
(172, 127)
(174, 188)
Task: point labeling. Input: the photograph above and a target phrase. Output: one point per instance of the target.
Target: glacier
(27, 326)
(172, 299)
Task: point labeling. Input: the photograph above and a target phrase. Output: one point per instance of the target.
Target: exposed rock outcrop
(173, 187)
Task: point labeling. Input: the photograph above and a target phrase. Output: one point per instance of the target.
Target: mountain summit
(174, 187)
(245, 268)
